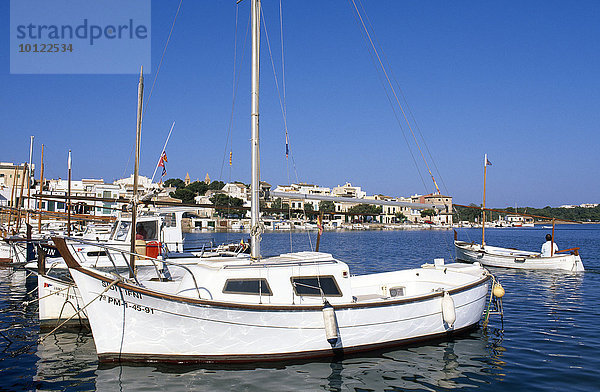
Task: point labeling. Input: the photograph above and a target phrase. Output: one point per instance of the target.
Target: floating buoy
(448, 311)
(331, 326)
(498, 290)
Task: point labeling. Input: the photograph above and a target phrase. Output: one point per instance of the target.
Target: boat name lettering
(127, 305)
(130, 293)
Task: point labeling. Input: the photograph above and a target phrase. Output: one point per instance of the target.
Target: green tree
(326, 206)
(175, 182)
(223, 200)
(198, 187)
(278, 204)
(365, 209)
(400, 217)
(184, 195)
(216, 185)
(427, 213)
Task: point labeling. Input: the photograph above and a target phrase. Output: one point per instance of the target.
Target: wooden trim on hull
(72, 263)
(305, 355)
(74, 324)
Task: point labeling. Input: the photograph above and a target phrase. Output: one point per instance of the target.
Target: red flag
(161, 163)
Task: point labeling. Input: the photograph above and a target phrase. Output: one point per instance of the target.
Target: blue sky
(516, 80)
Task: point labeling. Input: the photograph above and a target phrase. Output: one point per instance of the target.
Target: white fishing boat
(12, 250)
(59, 300)
(494, 256)
(296, 305)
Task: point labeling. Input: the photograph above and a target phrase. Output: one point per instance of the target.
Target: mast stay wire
(394, 93)
(401, 91)
(283, 107)
(236, 82)
(383, 68)
(394, 110)
(155, 77)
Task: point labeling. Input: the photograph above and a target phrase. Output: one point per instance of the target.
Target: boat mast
(69, 196)
(485, 163)
(41, 191)
(29, 178)
(255, 230)
(138, 133)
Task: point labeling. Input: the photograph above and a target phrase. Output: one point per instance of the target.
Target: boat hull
(510, 258)
(135, 324)
(59, 300)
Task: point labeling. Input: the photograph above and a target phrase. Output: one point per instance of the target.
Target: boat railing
(126, 254)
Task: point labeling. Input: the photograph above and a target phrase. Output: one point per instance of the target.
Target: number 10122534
(45, 48)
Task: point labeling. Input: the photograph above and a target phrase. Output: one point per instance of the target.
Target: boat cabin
(164, 227)
(301, 278)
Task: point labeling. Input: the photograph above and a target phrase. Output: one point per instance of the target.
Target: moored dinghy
(494, 256)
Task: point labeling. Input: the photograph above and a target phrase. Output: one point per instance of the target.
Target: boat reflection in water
(66, 360)
(69, 359)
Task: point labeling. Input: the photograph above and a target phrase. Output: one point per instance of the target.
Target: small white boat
(58, 301)
(493, 256)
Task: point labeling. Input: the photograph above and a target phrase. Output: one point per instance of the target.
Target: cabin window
(121, 232)
(247, 286)
(146, 230)
(312, 286)
(169, 220)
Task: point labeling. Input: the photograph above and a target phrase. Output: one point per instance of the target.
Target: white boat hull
(132, 323)
(59, 300)
(491, 256)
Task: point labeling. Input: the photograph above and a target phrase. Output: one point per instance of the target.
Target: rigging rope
(235, 85)
(395, 80)
(385, 90)
(283, 107)
(391, 86)
(114, 282)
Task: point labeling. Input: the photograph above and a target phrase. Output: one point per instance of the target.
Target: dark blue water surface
(549, 339)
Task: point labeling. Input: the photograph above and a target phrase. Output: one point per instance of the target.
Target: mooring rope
(26, 303)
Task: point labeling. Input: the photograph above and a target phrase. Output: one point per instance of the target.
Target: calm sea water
(549, 339)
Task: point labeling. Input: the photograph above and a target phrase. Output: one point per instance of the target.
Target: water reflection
(468, 361)
(549, 340)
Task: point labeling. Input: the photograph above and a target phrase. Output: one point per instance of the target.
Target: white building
(235, 189)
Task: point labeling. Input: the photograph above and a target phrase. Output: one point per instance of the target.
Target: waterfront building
(443, 217)
(11, 175)
(238, 190)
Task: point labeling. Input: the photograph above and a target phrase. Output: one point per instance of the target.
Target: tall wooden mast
(138, 135)
(29, 178)
(41, 192)
(485, 165)
(69, 196)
